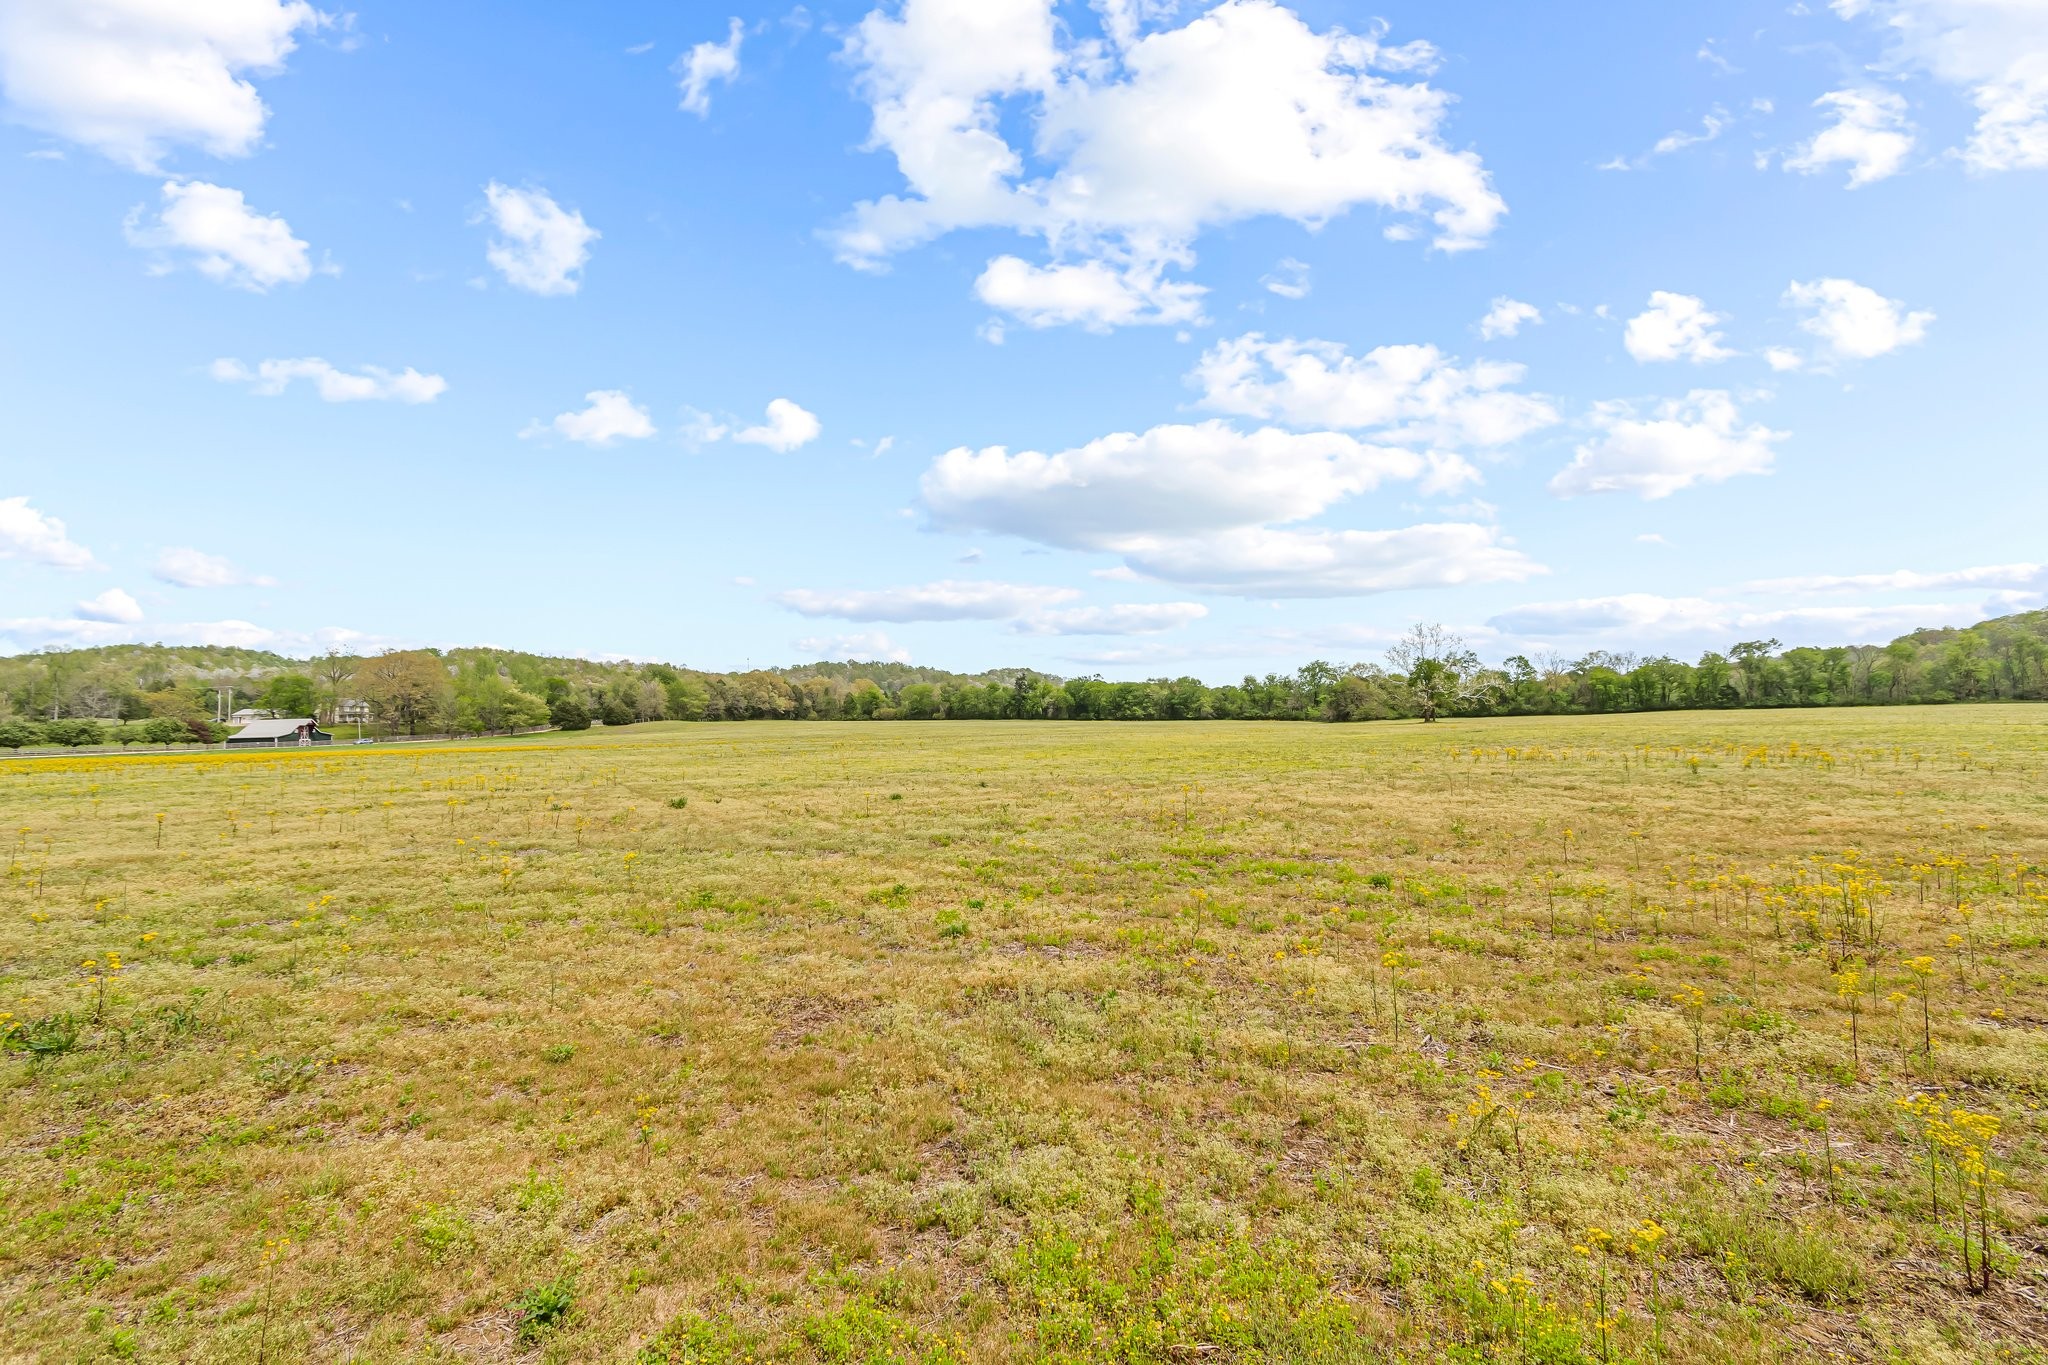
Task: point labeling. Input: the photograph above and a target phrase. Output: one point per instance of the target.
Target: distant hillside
(479, 689)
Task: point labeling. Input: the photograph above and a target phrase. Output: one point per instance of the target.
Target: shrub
(164, 730)
(542, 1309)
(566, 713)
(73, 734)
(18, 734)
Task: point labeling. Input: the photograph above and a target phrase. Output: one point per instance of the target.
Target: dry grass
(1069, 1042)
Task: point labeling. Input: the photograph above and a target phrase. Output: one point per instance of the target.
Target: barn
(279, 734)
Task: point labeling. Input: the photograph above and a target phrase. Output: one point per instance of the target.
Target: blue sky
(1136, 338)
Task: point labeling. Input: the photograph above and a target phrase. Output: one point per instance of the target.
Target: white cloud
(1994, 51)
(1094, 294)
(1675, 327)
(1696, 439)
(1203, 505)
(1289, 279)
(134, 78)
(1857, 625)
(2018, 577)
(1134, 618)
(541, 247)
(1854, 321)
(788, 426)
(1870, 135)
(1711, 126)
(112, 605)
(1637, 616)
(706, 63)
(1783, 359)
(1636, 612)
(184, 567)
(1125, 488)
(26, 533)
(1506, 317)
(609, 415)
(1267, 562)
(76, 633)
(272, 377)
(863, 644)
(229, 242)
(1408, 392)
(1150, 139)
(700, 429)
(949, 600)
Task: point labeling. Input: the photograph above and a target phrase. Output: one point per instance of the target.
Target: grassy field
(1694, 1037)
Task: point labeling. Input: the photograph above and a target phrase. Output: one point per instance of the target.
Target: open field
(971, 1041)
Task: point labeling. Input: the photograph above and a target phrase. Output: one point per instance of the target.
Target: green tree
(1433, 662)
(291, 694)
(164, 730)
(408, 687)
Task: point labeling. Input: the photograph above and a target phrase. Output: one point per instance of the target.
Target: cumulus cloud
(1994, 51)
(184, 567)
(2017, 577)
(608, 415)
(861, 645)
(1675, 327)
(1870, 135)
(1854, 321)
(1411, 393)
(949, 600)
(1207, 506)
(1174, 480)
(1147, 140)
(134, 78)
(39, 538)
(1506, 317)
(541, 247)
(1093, 294)
(708, 63)
(1700, 438)
(1132, 618)
(214, 230)
(272, 377)
(112, 605)
(1263, 561)
(788, 426)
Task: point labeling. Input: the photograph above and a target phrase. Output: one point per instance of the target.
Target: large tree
(406, 687)
(334, 669)
(1433, 663)
(291, 694)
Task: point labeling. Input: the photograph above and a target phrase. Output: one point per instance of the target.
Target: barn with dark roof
(279, 734)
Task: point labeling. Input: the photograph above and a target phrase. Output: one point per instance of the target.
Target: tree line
(62, 697)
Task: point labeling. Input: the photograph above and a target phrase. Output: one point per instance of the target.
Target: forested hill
(1430, 673)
